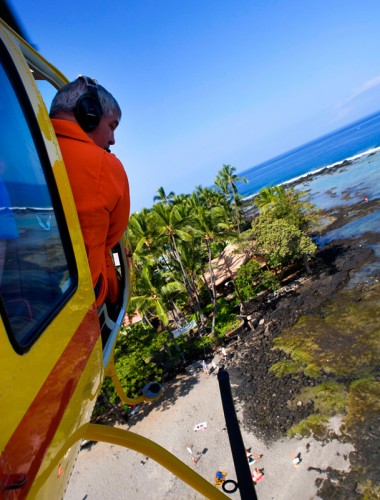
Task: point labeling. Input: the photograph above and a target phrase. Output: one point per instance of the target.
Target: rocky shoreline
(263, 396)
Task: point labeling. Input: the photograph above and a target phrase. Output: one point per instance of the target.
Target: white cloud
(370, 84)
(343, 108)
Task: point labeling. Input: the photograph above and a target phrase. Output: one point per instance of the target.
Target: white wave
(368, 152)
(332, 165)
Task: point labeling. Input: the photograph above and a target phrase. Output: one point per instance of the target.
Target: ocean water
(346, 184)
(356, 142)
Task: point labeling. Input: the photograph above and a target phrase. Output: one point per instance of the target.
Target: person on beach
(85, 116)
(220, 477)
(251, 458)
(257, 475)
(296, 459)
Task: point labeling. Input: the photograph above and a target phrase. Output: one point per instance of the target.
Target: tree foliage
(133, 358)
(278, 202)
(280, 242)
(280, 230)
(226, 181)
(253, 279)
(174, 243)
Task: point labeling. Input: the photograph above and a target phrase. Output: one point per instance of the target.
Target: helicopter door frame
(111, 322)
(48, 387)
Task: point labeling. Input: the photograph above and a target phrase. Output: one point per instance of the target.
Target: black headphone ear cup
(88, 112)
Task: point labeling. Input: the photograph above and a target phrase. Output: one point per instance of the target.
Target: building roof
(226, 265)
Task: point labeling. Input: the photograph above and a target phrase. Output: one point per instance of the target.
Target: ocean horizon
(351, 143)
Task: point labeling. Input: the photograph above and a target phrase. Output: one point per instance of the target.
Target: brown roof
(228, 262)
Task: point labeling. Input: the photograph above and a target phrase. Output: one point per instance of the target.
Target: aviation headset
(88, 110)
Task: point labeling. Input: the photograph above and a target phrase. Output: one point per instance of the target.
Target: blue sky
(207, 82)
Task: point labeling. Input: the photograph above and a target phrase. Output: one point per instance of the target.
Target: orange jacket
(101, 193)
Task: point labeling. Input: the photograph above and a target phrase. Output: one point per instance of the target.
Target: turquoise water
(345, 185)
(332, 183)
(350, 141)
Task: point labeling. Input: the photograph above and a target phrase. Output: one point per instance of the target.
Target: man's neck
(63, 115)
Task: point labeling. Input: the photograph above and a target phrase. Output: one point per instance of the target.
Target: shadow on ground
(174, 389)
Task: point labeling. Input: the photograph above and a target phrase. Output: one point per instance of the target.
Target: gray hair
(68, 95)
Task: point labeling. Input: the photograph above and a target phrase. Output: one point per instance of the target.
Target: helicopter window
(47, 91)
(37, 270)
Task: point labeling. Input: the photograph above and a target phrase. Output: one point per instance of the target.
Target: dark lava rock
(267, 416)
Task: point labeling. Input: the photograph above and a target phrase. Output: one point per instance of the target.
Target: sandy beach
(105, 471)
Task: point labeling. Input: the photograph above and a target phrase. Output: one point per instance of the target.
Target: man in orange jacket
(85, 116)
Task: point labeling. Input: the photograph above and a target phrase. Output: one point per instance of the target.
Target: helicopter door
(50, 355)
(37, 271)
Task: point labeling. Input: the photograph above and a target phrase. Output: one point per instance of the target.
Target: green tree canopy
(279, 241)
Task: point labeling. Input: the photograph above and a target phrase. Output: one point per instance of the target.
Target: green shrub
(268, 281)
(252, 279)
(223, 328)
(363, 400)
(246, 279)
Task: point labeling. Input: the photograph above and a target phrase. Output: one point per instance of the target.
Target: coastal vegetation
(176, 243)
(314, 356)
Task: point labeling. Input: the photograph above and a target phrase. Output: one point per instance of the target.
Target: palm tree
(226, 180)
(208, 197)
(173, 226)
(267, 197)
(149, 298)
(163, 197)
(140, 232)
(208, 223)
(153, 299)
(286, 203)
(143, 237)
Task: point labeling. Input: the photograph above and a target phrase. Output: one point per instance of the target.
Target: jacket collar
(69, 129)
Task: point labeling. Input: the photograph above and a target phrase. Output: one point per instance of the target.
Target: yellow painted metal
(49, 72)
(21, 384)
(55, 471)
(111, 372)
(94, 432)
(22, 377)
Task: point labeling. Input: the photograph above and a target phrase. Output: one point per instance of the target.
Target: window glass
(35, 277)
(47, 92)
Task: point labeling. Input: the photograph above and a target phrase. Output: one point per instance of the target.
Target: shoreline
(310, 175)
(329, 466)
(105, 471)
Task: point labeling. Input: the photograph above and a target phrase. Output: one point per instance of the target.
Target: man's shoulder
(110, 158)
(113, 166)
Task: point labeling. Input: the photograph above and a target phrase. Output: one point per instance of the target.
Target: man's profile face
(103, 135)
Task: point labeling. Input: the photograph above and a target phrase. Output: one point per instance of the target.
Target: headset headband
(91, 83)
